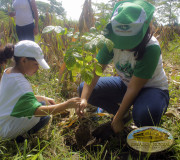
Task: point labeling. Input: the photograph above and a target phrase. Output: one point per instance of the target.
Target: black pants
(25, 32)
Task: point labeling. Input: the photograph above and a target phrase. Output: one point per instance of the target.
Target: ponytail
(6, 53)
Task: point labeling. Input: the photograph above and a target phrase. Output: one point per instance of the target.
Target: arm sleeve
(104, 56)
(145, 67)
(25, 106)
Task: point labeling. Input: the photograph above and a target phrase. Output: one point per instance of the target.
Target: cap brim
(126, 42)
(43, 63)
(130, 42)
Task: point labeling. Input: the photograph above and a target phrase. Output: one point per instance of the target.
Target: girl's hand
(49, 101)
(117, 125)
(74, 102)
(80, 110)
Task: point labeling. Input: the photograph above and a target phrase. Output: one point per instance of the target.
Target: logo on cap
(123, 27)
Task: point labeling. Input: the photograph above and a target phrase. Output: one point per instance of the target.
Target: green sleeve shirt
(104, 56)
(145, 67)
(149, 67)
(25, 106)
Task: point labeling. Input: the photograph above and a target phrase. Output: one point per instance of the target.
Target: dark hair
(31, 58)
(140, 49)
(6, 53)
(17, 59)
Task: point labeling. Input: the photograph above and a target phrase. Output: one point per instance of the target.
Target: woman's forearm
(51, 109)
(57, 108)
(128, 99)
(134, 87)
(87, 89)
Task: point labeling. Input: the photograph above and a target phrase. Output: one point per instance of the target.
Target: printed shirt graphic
(149, 67)
(17, 106)
(124, 63)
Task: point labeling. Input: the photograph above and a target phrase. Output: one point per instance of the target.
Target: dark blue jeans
(148, 107)
(25, 32)
(42, 122)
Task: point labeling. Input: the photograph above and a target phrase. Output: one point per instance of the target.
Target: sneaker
(99, 110)
(96, 117)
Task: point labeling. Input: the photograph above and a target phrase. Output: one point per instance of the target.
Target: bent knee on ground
(147, 116)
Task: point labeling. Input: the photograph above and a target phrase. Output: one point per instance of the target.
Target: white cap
(27, 48)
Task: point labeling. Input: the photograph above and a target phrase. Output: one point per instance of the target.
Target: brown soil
(91, 136)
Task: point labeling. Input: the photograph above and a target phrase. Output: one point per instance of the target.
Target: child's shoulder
(153, 41)
(18, 82)
(23, 84)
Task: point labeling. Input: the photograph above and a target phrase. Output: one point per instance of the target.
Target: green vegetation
(71, 56)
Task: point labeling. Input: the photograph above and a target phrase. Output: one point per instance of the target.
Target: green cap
(129, 23)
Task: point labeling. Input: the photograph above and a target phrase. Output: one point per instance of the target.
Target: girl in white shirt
(20, 110)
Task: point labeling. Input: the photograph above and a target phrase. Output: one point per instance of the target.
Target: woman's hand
(73, 102)
(80, 110)
(134, 87)
(117, 125)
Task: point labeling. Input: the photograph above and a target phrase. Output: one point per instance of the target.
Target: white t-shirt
(23, 12)
(149, 67)
(17, 106)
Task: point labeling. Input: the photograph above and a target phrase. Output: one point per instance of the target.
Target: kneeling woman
(137, 57)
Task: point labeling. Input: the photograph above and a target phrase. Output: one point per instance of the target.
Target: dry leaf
(173, 113)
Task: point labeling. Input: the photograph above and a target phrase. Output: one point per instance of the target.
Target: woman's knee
(147, 116)
(149, 106)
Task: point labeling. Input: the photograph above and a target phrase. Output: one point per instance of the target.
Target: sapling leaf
(92, 30)
(78, 56)
(70, 61)
(98, 70)
(58, 29)
(69, 34)
(109, 44)
(48, 29)
(87, 76)
(88, 58)
(100, 44)
(76, 35)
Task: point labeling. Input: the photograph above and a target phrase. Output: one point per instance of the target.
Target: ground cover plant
(71, 55)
